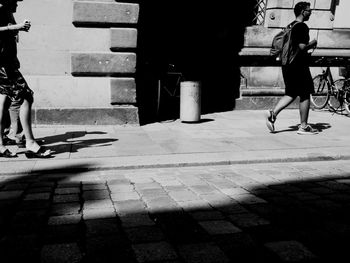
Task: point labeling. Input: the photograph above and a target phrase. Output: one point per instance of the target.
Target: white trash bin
(190, 101)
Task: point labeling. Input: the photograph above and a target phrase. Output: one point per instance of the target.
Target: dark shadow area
(72, 141)
(202, 120)
(47, 216)
(202, 40)
(318, 126)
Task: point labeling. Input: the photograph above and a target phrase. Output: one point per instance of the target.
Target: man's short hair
(299, 7)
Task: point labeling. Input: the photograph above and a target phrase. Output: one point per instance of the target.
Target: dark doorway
(202, 40)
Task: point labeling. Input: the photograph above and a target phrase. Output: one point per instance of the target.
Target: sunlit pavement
(281, 212)
(249, 201)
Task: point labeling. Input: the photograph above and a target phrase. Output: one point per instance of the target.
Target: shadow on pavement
(167, 215)
(318, 126)
(74, 140)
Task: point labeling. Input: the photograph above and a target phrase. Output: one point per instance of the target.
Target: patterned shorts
(13, 85)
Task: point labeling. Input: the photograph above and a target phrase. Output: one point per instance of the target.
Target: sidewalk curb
(116, 163)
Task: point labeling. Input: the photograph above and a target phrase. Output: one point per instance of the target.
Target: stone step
(117, 115)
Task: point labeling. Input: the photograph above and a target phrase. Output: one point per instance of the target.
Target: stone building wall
(79, 58)
(264, 81)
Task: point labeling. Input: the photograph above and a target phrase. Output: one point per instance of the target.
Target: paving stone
(6, 195)
(66, 198)
(67, 191)
(65, 209)
(95, 195)
(248, 199)
(203, 189)
(121, 188)
(154, 252)
(39, 190)
(170, 224)
(197, 205)
(335, 185)
(117, 197)
(234, 191)
(136, 220)
(291, 251)
(64, 220)
(60, 253)
(100, 227)
(232, 208)
(339, 197)
(108, 248)
(54, 234)
(13, 186)
(98, 204)
(143, 234)
(87, 187)
(302, 196)
(130, 207)
(219, 227)
(248, 220)
(185, 195)
(202, 252)
(320, 190)
(37, 196)
(99, 213)
(206, 215)
(20, 248)
(34, 204)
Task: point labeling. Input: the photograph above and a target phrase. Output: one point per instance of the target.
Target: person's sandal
(270, 121)
(8, 154)
(41, 153)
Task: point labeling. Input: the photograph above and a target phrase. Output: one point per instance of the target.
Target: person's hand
(313, 43)
(25, 26)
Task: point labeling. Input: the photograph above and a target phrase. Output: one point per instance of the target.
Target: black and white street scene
(174, 131)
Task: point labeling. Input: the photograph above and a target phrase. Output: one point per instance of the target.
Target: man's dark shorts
(14, 86)
(298, 81)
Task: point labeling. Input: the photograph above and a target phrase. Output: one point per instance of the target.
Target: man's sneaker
(270, 120)
(307, 130)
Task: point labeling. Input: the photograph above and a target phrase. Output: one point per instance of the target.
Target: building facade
(99, 61)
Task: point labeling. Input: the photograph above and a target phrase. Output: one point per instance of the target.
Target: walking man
(296, 73)
(13, 84)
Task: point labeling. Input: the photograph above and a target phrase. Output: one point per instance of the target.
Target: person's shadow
(318, 126)
(73, 141)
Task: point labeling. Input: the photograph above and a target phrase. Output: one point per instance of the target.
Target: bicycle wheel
(320, 96)
(347, 96)
(336, 100)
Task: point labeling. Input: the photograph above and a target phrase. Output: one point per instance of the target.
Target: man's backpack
(281, 48)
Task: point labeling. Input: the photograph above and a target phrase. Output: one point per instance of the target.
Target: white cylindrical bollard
(190, 101)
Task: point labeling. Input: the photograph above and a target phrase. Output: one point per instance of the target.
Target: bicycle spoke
(320, 96)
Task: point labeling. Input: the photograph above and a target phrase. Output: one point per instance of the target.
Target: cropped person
(12, 83)
(296, 73)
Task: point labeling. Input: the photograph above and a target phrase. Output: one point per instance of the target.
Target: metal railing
(259, 12)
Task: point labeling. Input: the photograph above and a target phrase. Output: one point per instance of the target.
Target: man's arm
(305, 47)
(25, 26)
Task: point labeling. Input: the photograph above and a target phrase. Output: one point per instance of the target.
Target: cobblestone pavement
(276, 212)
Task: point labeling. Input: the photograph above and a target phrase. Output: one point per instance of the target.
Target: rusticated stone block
(123, 38)
(324, 4)
(260, 36)
(312, 2)
(103, 64)
(280, 4)
(282, 17)
(123, 90)
(88, 116)
(333, 39)
(91, 12)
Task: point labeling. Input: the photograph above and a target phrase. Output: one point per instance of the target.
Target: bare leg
(2, 105)
(283, 103)
(304, 107)
(26, 122)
